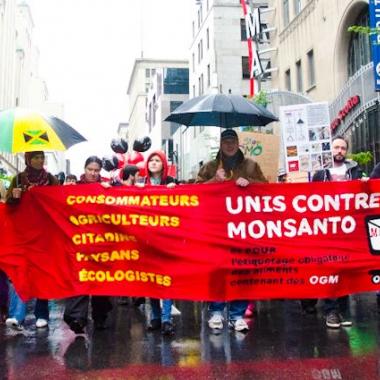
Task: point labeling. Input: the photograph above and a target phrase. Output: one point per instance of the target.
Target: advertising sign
(374, 23)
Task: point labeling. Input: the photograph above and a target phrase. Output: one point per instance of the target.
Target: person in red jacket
(156, 168)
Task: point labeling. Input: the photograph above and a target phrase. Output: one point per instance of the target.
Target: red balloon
(122, 159)
(135, 158)
(141, 166)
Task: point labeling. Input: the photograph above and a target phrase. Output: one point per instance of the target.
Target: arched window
(359, 51)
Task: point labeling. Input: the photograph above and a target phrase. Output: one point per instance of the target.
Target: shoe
(41, 323)
(14, 324)
(216, 322)
(333, 320)
(76, 326)
(344, 322)
(155, 324)
(167, 328)
(238, 325)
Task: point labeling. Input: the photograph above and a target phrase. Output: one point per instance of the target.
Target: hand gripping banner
(195, 242)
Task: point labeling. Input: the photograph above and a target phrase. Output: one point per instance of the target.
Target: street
(283, 343)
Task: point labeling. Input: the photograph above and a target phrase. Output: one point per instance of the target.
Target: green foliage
(363, 30)
(362, 158)
(261, 98)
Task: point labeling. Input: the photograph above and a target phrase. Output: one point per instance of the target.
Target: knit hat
(228, 134)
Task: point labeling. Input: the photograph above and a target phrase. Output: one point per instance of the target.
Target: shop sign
(348, 107)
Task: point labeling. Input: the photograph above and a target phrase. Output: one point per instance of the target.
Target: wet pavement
(283, 343)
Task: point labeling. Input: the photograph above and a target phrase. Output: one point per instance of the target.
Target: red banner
(197, 242)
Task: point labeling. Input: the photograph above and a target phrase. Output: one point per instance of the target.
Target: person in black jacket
(336, 308)
(77, 308)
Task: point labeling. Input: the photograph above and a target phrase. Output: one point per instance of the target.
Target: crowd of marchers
(229, 165)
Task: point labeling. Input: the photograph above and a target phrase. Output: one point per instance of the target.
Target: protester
(33, 175)
(156, 167)
(230, 164)
(375, 174)
(129, 175)
(76, 308)
(71, 179)
(336, 309)
(4, 289)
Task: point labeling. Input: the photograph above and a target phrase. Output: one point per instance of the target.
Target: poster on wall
(307, 137)
(264, 149)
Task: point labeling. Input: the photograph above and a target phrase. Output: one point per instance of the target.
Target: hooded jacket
(165, 179)
(353, 172)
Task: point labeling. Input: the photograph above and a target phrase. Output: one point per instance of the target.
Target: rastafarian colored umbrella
(23, 130)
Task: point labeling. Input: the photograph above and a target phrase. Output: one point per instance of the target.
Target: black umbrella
(226, 111)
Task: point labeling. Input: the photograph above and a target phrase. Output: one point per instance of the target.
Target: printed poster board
(306, 137)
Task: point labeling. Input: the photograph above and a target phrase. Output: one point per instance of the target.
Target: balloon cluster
(121, 158)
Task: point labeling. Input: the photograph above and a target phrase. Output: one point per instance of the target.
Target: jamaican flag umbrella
(23, 130)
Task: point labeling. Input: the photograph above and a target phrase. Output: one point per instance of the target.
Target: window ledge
(312, 87)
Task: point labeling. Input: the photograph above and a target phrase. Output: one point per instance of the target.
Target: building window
(193, 62)
(311, 68)
(200, 85)
(299, 76)
(285, 11)
(243, 30)
(194, 91)
(359, 52)
(193, 26)
(201, 48)
(208, 38)
(199, 52)
(208, 75)
(207, 5)
(147, 73)
(176, 81)
(288, 82)
(245, 67)
(297, 7)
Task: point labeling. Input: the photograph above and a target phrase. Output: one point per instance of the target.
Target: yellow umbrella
(23, 130)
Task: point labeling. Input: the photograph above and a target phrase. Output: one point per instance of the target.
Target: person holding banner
(4, 289)
(336, 309)
(33, 175)
(76, 308)
(156, 167)
(230, 164)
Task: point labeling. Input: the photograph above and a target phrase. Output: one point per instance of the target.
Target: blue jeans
(17, 307)
(165, 314)
(236, 309)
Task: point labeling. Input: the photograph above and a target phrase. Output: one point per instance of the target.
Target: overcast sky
(87, 50)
